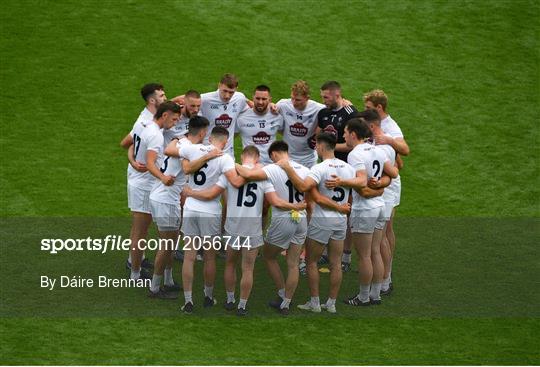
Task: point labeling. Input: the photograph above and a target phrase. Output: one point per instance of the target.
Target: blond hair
(377, 97)
(300, 88)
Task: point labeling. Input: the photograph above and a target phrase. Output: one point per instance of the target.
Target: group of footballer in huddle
(182, 167)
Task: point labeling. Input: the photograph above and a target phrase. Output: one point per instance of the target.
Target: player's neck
(151, 108)
(260, 113)
(383, 115)
(194, 139)
(159, 123)
(328, 155)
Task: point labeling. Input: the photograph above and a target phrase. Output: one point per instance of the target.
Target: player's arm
(300, 184)
(138, 166)
(399, 162)
(127, 141)
(381, 183)
(277, 202)
(193, 166)
(328, 203)
(172, 150)
(251, 174)
(234, 178)
(179, 100)
(342, 147)
(399, 144)
(390, 169)
(151, 157)
(357, 183)
(369, 193)
(205, 195)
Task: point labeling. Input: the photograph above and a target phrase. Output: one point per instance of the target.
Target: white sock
(331, 302)
(230, 297)
(375, 292)
(286, 302)
(346, 257)
(188, 297)
(364, 293)
(156, 282)
(168, 279)
(208, 291)
(315, 302)
(281, 293)
(325, 252)
(242, 303)
(385, 284)
(129, 258)
(135, 274)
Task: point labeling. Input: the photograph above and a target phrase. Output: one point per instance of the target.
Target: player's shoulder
(314, 105)
(238, 96)
(210, 96)
(350, 110)
(299, 167)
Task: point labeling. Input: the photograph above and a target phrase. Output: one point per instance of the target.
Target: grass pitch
(462, 78)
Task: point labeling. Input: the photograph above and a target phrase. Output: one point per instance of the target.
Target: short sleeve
(155, 143)
(315, 174)
(227, 163)
(268, 187)
(222, 181)
(184, 150)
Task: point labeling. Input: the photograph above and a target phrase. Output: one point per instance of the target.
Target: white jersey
(390, 153)
(178, 131)
(244, 206)
(205, 177)
(223, 114)
(391, 128)
(172, 166)
(323, 171)
(151, 138)
(259, 130)
(284, 187)
(371, 159)
(145, 118)
(298, 128)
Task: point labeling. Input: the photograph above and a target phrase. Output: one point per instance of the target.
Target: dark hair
(360, 127)
(262, 88)
(230, 80)
(278, 146)
(251, 150)
(220, 131)
(149, 89)
(370, 115)
(192, 94)
(328, 139)
(196, 124)
(168, 106)
(331, 85)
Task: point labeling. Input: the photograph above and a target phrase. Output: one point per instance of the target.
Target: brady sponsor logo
(298, 129)
(261, 138)
(224, 121)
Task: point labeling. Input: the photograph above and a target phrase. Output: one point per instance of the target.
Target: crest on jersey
(298, 129)
(224, 121)
(261, 138)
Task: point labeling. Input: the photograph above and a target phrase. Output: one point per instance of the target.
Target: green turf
(463, 82)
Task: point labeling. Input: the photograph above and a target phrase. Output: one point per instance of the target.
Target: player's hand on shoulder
(346, 102)
(301, 205)
(214, 153)
(283, 163)
(382, 139)
(179, 100)
(274, 108)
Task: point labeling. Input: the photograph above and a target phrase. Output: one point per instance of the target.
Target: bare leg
(335, 251)
(314, 251)
(139, 230)
(270, 253)
(293, 257)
